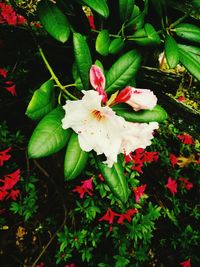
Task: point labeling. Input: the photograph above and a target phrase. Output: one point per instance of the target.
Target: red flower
(171, 185)
(10, 180)
(185, 263)
(70, 265)
(8, 14)
(3, 72)
(11, 88)
(14, 194)
(181, 98)
(127, 216)
(109, 216)
(186, 184)
(173, 159)
(150, 156)
(3, 194)
(4, 156)
(139, 192)
(185, 139)
(84, 188)
(40, 265)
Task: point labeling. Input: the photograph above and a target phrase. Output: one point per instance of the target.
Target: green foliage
(75, 158)
(188, 31)
(115, 179)
(42, 101)
(156, 114)
(48, 136)
(27, 205)
(100, 6)
(171, 51)
(53, 20)
(122, 71)
(102, 43)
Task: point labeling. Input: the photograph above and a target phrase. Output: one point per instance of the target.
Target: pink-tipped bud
(137, 98)
(98, 81)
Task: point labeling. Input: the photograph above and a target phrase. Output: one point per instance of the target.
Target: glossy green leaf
(122, 71)
(188, 31)
(83, 58)
(75, 158)
(196, 3)
(136, 20)
(146, 36)
(102, 43)
(49, 136)
(156, 114)
(53, 20)
(116, 45)
(115, 179)
(160, 7)
(171, 51)
(100, 6)
(42, 101)
(125, 9)
(189, 48)
(191, 62)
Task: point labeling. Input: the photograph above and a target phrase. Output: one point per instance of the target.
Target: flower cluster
(9, 16)
(110, 215)
(172, 184)
(100, 129)
(9, 181)
(9, 85)
(140, 157)
(86, 187)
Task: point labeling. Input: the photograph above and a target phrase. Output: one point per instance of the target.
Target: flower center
(97, 115)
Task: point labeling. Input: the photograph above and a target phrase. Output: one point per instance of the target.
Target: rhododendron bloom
(171, 185)
(98, 81)
(101, 130)
(185, 263)
(137, 98)
(127, 216)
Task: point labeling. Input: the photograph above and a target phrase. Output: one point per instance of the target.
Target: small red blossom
(3, 72)
(181, 98)
(14, 194)
(9, 16)
(186, 184)
(3, 194)
(173, 159)
(20, 20)
(139, 192)
(171, 185)
(86, 187)
(11, 88)
(185, 139)
(41, 264)
(98, 81)
(185, 263)
(109, 216)
(100, 176)
(10, 180)
(70, 265)
(127, 216)
(4, 156)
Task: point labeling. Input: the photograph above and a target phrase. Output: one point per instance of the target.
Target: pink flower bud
(137, 98)
(98, 81)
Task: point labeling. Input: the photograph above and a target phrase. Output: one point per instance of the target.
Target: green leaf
(49, 136)
(83, 58)
(102, 43)
(75, 158)
(160, 7)
(188, 31)
(115, 179)
(53, 20)
(116, 45)
(125, 9)
(122, 71)
(189, 48)
(42, 101)
(146, 36)
(171, 51)
(100, 6)
(156, 114)
(191, 62)
(136, 20)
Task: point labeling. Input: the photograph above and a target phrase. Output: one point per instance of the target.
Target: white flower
(101, 130)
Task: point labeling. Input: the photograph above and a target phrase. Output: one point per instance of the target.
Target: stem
(53, 75)
(178, 21)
